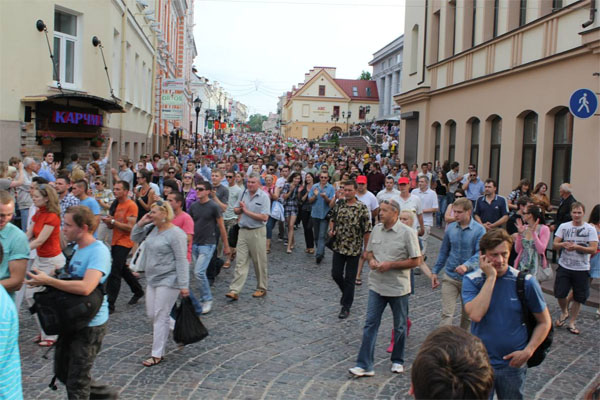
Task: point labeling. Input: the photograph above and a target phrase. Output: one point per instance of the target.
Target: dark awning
(107, 105)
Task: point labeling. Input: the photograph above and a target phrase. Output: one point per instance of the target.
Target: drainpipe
(425, 42)
(149, 132)
(123, 72)
(592, 15)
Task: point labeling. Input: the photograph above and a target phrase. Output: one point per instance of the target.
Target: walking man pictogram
(584, 103)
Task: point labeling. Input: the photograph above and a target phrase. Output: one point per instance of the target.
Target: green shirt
(16, 247)
(398, 243)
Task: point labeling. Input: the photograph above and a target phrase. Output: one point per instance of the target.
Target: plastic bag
(544, 274)
(188, 327)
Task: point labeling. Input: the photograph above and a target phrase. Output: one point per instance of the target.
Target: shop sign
(76, 118)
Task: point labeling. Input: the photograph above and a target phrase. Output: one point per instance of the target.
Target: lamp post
(198, 106)
(347, 115)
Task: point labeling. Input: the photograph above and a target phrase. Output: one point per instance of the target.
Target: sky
(258, 49)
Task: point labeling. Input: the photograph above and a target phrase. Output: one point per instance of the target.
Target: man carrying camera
(89, 267)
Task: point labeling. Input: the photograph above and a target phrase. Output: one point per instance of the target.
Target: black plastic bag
(188, 327)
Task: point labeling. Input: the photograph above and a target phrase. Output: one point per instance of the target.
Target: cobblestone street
(290, 344)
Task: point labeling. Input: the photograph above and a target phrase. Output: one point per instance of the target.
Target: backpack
(529, 319)
(62, 313)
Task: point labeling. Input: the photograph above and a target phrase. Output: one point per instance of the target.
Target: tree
(365, 76)
(256, 121)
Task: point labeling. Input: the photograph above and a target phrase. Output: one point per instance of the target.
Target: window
(398, 58)
(451, 140)
(529, 144)
(496, 10)
(495, 149)
(561, 151)
(414, 49)
(336, 111)
(306, 110)
(115, 76)
(438, 140)
(474, 22)
(435, 37)
(321, 90)
(128, 73)
(452, 33)
(368, 90)
(557, 4)
(66, 48)
(523, 13)
(474, 155)
(354, 91)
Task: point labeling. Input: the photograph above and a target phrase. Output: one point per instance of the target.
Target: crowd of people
(219, 206)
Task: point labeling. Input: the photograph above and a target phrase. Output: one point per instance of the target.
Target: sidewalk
(548, 286)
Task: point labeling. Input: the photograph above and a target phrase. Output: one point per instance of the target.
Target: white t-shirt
(428, 200)
(369, 200)
(581, 235)
(412, 204)
(391, 195)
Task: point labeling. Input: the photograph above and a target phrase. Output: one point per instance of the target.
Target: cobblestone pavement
(291, 345)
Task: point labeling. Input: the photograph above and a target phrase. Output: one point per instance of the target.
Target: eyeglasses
(187, 177)
(229, 176)
(171, 172)
(458, 197)
(200, 189)
(98, 183)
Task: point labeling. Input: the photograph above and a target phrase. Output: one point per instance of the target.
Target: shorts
(567, 279)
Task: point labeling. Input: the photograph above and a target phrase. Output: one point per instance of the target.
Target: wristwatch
(112, 221)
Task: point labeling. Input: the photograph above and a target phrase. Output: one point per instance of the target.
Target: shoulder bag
(136, 261)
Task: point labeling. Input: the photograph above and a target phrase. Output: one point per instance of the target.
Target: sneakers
(359, 372)
(397, 368)
(206, 307)
(344, 313)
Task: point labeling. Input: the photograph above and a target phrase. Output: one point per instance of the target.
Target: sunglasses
(200, 189)
(458, 197)
(229, 176)
(187, 177)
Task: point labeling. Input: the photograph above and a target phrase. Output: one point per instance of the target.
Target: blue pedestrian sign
(583, 103)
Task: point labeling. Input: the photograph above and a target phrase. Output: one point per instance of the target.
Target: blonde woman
(167, 271)
(44, 237)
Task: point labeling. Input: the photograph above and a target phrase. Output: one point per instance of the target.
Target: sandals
(573, 329)
(289, 251)
(358, 281)
(152, 361)
(46, 343)
(561, 322)
(38, 338)
(310, 251)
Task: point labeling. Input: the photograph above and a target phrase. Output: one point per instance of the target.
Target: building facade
(387, 71)
(489, 82)
(66, 105)
(322, 104)
(271, 125)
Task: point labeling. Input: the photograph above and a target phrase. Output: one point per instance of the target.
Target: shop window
(451, 140)
(561, 151)
(529, 143)
(66, 49)
(495, 147)
(474, 153)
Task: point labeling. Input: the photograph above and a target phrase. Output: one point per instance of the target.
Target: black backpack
(62, 313)
(540, 353)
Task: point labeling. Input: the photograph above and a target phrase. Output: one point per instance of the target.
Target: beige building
(489, 82)
(72, 102)
(323, 103)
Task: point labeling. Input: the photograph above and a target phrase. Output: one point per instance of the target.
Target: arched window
(529, 143)
(438, 139)
(414, 49)
(561, 151)
(495, 147)
(474, 154)
(452, 140)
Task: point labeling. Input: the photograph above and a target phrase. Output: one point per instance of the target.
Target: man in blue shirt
(472, 185)
(320, 196)
(91, 263)
(10, 361)
(491, 300)
(15, 247)
(79, 190)
(458, 255)
(491, 210)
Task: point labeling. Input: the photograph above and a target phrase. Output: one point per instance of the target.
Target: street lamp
(347, 115)
(198, 106)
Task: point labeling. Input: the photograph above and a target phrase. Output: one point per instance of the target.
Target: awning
(110, 106)
(383, 119)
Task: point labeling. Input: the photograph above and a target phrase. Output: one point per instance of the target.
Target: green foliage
(255, 121)
(365, 76)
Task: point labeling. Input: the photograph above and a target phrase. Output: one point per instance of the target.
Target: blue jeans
(509, 382)
(24, 217)
(442, 205)
(270, 225)
(319, 232)
(375, 307)
(201, 255)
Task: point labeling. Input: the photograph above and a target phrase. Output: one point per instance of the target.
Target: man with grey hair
(24, 201)
(563, 214)
(253, 209)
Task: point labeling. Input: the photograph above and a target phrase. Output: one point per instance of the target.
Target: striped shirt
(10, 362)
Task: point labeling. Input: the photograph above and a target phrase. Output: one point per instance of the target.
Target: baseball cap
(403, 180)
(361, 179)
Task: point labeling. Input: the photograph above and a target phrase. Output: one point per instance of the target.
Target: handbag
(136, 261)
(529, 319)
(188, 327)
(544, 274)
(329, 243)
(232, 235)
(277, 211)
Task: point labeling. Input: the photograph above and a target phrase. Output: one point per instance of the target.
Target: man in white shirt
(389, 193)
(425, 172)
(429, 202)
(368, 199)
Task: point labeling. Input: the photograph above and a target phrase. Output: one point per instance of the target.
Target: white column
(387, 94)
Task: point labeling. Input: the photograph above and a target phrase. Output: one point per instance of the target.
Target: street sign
(583, 103)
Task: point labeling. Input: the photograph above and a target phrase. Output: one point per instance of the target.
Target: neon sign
(76, 118)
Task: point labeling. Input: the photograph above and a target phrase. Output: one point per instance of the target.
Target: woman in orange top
(44, 237)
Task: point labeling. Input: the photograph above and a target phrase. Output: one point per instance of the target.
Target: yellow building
(324, 104)
(489, 83)
(71, 101)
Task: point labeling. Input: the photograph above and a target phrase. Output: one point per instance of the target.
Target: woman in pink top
(414, 176)
(531, 241)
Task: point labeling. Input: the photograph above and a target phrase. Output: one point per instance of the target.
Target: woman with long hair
(44, 237)
(144, 194)
(540, 198)
(449, 214)
(270, 189)
(93, 172)
(167, 271)
(413, 175)
(188, 190)
(523, 189)
(531, 241)
(289, 195)
(305, 211)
